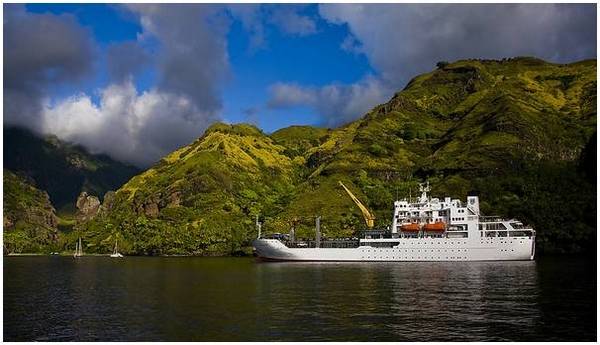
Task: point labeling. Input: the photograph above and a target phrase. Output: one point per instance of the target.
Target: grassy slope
(206, 193)
(513, 130)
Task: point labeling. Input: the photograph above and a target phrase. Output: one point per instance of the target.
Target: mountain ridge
(514, 130)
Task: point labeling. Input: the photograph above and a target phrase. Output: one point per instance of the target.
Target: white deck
(413, 249)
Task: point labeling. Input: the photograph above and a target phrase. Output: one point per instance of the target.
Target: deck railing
(324, 244)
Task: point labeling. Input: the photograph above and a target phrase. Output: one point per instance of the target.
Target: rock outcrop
(87, 206)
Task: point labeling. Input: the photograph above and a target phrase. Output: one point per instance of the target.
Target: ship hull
(424, 249)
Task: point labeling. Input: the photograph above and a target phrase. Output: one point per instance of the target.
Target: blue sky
(314, 60)
(137, 81)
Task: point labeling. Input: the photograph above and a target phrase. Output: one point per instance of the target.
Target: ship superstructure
(426, 229)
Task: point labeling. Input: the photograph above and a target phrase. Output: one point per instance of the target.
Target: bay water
(241, 299)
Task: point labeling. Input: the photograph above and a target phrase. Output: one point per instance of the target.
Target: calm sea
(238, 299)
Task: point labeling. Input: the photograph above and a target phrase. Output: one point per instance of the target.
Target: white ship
(428, 229)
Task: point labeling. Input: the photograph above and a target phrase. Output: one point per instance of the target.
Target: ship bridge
(447, 217)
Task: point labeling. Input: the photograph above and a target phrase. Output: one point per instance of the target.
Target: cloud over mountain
(403, 40)
(142, 95)
(190, 61)
(133, 127)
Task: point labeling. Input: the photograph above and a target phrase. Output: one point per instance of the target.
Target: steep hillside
(513, 130)
(29, 220)
(201, 198)
(62, 169)
(299, 139)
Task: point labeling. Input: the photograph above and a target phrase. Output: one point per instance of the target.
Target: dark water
(217, 299)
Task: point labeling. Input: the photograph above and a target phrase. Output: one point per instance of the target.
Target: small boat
(116, 253)
(78, 249)
(410, 227)
(437, 226)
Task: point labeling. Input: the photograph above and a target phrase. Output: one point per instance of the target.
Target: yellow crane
(367, 215)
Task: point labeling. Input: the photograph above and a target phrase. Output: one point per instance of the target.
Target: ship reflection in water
(228, 299)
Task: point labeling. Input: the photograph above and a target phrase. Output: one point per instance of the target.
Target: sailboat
(78, 249)
(116, 253)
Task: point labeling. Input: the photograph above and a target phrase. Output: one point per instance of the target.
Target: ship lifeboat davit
(433, 227)
(411, 227)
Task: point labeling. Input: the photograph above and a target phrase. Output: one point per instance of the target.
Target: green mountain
(513, 130)
(29, 220)
(61, 169)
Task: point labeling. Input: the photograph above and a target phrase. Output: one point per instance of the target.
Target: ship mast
(258, 226)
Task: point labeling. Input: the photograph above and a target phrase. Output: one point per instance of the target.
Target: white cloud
(290, 21)
(132, 127)
(192, 60)
(251, 18)
(288, 18)
(403, 40)
(41, 52)
(336, 103)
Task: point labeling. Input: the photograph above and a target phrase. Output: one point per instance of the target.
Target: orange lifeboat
(410, 227)
(437, 226)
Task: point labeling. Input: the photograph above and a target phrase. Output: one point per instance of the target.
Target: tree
(442, 64)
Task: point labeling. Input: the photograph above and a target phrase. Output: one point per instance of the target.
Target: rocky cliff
(29, 219)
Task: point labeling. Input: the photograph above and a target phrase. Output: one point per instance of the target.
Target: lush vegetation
(521, 132)
(29, 222)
